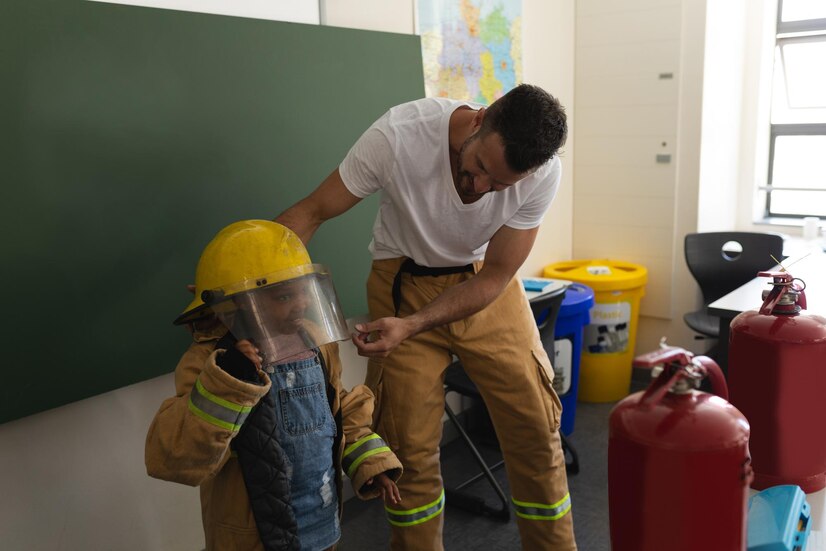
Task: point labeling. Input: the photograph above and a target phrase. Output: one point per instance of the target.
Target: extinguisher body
(777, 378)
(678, 472)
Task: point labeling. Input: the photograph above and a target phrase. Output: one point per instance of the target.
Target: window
(797, 154)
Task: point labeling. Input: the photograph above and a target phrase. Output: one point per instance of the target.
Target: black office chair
(720, 266)
(545, 309)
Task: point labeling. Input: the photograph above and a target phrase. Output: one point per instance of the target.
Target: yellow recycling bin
(608, 341)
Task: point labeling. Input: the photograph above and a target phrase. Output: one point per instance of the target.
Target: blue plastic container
(573, 317)
(779, 519)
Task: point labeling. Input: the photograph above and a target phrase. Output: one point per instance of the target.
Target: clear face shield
(284, 318)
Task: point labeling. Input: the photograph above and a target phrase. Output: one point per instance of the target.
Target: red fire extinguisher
(678, 461)
(777, 376)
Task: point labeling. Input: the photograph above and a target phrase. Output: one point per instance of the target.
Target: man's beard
(464, 179)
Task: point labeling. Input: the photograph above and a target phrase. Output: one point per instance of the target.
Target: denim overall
(306, 430)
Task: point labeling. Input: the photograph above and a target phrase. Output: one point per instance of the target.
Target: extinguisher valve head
(779, 278)
(684, 385)
(694, 373)
(788, 296)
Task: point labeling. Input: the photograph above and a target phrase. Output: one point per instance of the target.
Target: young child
(259, 419)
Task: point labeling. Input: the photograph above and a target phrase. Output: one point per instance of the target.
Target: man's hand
(377, 339)
(387, 489)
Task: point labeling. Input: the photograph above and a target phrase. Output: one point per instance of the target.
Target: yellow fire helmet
(258, 279)
(241, 254)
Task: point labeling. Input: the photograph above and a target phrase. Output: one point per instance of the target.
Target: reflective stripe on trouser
(360, 450)
(500, 349)
(411, 517)
(215, 410)
(542, 511)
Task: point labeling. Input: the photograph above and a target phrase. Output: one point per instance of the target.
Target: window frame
(805, 25)
(777, 130)
(791, 129)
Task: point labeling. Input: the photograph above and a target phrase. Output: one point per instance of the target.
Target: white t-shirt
(404, 155)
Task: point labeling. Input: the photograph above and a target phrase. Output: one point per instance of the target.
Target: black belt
(410, 267)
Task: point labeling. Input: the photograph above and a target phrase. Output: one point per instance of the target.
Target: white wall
(297, 11)
(686, 294)
(548, 61)
(758, 58)
(630, 85)
(722, 115)
(395, 16)
(73, 477)
(723, 155)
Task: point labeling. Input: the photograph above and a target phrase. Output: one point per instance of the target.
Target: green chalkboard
(130, 136)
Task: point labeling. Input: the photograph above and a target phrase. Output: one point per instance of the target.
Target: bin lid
(600, 274)
(578, 298)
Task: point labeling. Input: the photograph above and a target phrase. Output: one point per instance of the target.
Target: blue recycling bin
(570, 323)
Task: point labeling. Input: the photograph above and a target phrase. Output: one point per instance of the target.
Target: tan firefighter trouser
(500, 349)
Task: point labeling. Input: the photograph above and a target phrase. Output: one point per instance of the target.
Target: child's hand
(387, 488)
(249, 350)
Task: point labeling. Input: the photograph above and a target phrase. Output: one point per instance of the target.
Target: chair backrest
(719, 271)
(545, 310)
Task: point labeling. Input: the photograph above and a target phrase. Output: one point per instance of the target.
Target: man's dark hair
(532, 124)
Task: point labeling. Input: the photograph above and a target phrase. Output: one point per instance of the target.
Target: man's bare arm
(506, 252)
(329, 199)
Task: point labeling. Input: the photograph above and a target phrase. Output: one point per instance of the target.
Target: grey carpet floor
(365, 529)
